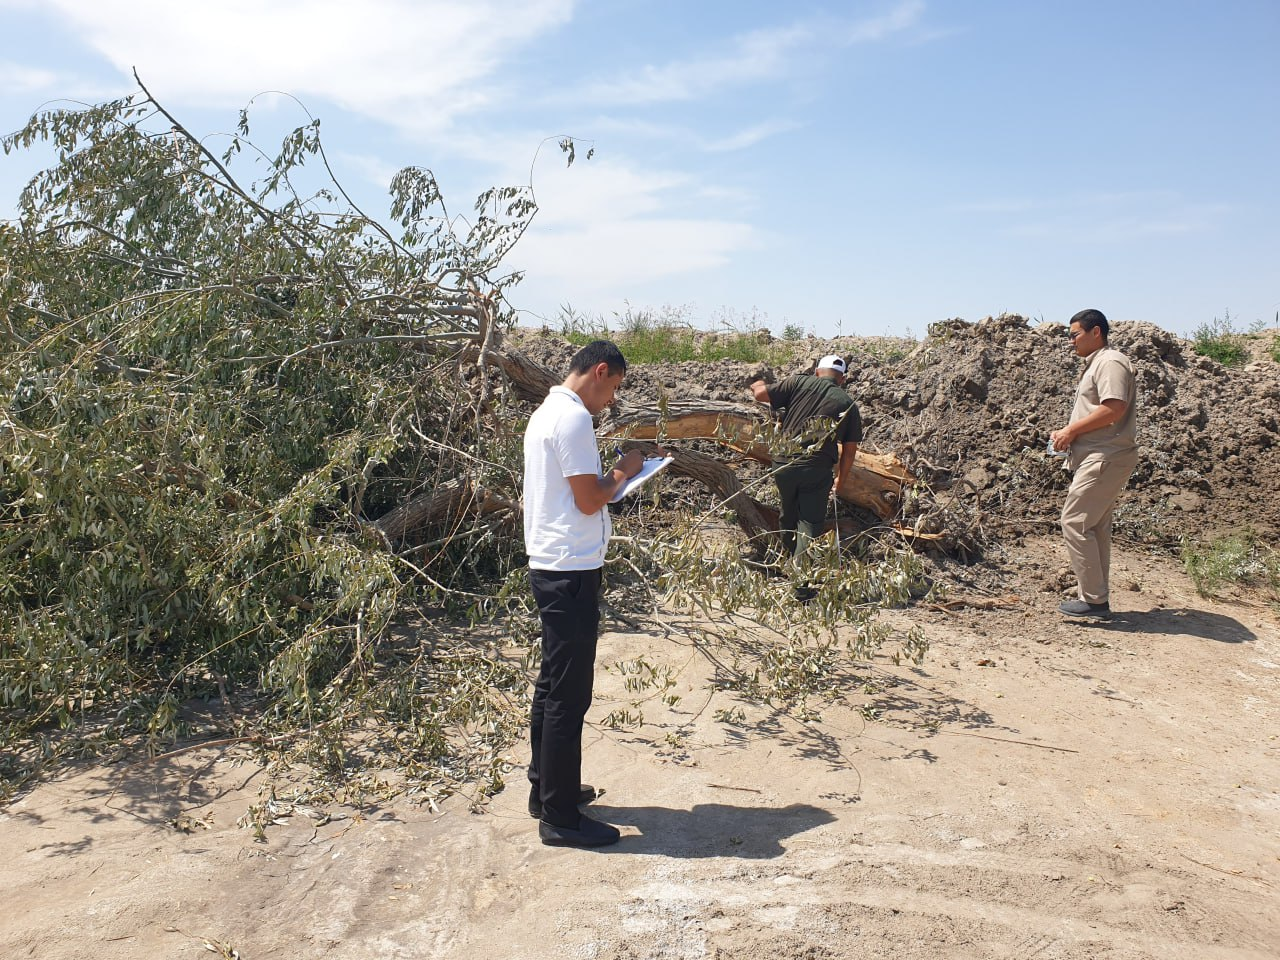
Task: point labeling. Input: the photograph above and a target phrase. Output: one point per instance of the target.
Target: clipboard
(651, 466)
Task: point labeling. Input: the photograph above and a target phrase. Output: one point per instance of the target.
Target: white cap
(832, 363)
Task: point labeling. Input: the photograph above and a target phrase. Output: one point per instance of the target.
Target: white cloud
(1116, 229)
(636, 128)
(750, 136)
(596, 189)
(694, 139)
(751, 57)
(369, 168)
(17, 79)
(727, 195)
(605, 228)
(902, 17)
(612, 258)
(412, 63)
(1102, 216)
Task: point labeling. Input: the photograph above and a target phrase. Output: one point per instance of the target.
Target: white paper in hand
(651, 466)
(1051, 451)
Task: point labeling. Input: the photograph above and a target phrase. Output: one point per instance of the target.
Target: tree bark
(531, 379)
(753, 517)
(876, 481)
(448, 501)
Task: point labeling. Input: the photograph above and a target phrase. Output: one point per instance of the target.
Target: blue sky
(856, 168)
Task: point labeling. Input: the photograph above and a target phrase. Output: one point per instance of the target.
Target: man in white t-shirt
(566, 533)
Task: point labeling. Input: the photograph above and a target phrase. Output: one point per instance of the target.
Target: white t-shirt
(560, 442)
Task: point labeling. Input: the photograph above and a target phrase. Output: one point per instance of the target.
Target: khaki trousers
(1086, 522)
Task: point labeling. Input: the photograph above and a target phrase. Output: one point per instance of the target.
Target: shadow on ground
(1181, 621)
(712, 829)
(149, 792)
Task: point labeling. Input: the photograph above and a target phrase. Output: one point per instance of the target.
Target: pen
(617, 452)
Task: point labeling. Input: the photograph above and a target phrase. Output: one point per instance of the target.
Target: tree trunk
(531, 379)
(876, 481)
(753, 517)
(448, 501)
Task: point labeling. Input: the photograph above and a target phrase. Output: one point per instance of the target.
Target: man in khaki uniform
(1102, 450)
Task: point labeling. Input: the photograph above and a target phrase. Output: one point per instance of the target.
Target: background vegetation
(1220, 340)
(668, 336)
(1235, 560)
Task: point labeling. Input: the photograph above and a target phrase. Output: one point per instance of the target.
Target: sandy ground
(1038, 789)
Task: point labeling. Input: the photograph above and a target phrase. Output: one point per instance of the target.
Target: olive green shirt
(818, 413)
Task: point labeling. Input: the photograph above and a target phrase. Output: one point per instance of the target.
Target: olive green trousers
(803, 489)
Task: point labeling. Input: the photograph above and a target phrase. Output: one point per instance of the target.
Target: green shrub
(668, 337)
(1238, 558)
(1219, 340)
(210, 393)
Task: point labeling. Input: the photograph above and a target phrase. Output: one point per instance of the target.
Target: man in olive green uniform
(816, 411)
(1102, 450)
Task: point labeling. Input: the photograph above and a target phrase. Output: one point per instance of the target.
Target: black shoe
(805, 594)
(589, 833)
(1082, 608)
(586, 793)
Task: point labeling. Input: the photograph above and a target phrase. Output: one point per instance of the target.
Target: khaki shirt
(1108, 375)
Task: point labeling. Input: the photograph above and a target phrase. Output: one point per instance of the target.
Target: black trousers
(569, 605)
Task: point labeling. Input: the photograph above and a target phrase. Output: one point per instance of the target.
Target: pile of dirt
(974, 404)
(971, 406)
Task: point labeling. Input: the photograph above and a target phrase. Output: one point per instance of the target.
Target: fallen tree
(257, 450)
(876, 483)
(212, 388)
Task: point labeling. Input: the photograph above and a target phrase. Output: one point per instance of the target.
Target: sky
(855, 168)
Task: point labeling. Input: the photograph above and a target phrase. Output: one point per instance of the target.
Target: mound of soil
(971, 406)
(974, 404)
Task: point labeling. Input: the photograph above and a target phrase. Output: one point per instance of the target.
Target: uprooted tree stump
(876, 482)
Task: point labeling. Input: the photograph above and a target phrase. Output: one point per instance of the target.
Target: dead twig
(1008, 601)
(1025, 743)
(1231, 873)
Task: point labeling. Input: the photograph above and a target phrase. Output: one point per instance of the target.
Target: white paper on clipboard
(651, 466)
